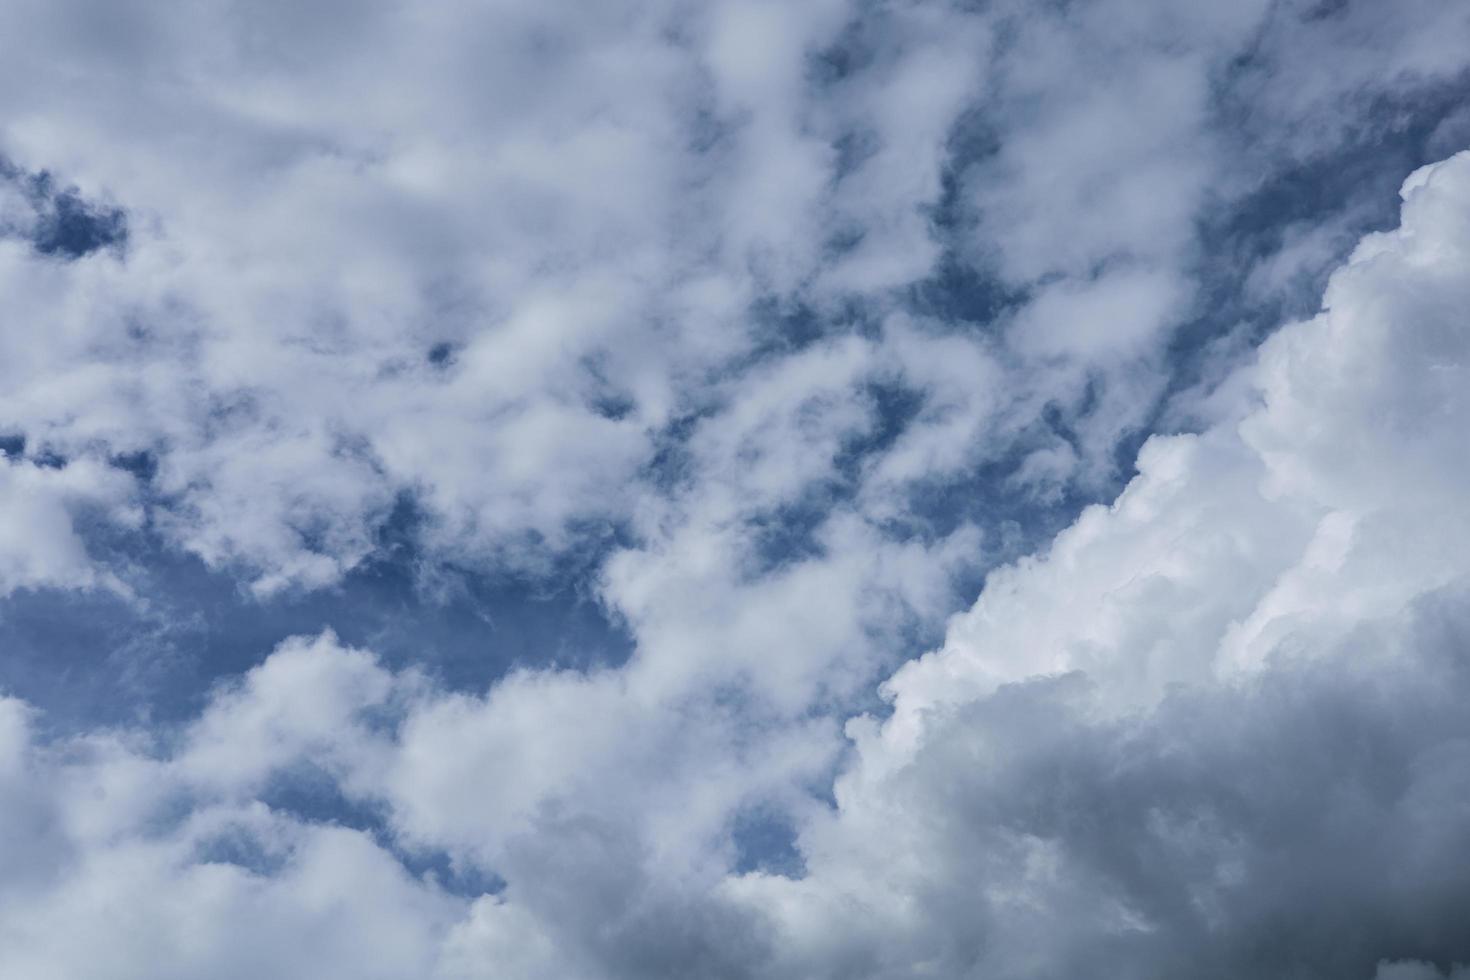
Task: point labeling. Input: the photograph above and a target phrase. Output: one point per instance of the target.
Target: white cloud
(39, 543)
(1290, 579)
(583, 208)
(1228, 706)
(1232, 695)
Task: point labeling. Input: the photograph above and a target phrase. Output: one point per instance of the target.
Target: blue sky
(836, 489)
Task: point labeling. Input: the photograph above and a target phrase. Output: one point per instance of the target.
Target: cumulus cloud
(493, 262)
(1216, 728)
(39, 508)
(783, 324)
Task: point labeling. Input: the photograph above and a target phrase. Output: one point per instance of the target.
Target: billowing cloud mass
(740, 489)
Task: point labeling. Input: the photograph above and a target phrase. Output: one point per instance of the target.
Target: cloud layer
(777, 330)
(501, 265)
(1217, 726)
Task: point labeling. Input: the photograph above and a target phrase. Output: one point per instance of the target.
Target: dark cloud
(1296, 825)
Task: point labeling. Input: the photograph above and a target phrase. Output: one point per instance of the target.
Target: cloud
(1414, 970)
(39, 506)
(1216, 728)
(778, 325)
(584, 216)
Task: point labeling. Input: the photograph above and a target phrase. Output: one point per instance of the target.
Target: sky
(820, 490)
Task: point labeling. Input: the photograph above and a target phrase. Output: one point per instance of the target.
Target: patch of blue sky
(313, 796)
(63, 223)
(764, 840)
(86, 657)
